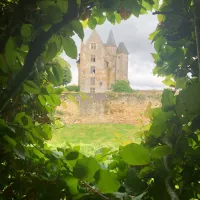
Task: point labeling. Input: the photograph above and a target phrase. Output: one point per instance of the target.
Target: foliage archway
(164, 166)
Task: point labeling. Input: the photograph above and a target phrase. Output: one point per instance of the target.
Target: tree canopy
(121, 86)
(165, 165)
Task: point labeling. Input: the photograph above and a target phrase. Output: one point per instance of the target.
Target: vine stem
(197, 29)
(95, 190)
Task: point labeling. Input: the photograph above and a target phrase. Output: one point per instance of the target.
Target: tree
(73, 88)
(67, 76)
(165, 164)
(121, 86)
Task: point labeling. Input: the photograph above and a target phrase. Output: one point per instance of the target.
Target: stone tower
(100, 65)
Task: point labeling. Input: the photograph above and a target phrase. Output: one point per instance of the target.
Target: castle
(100, 65)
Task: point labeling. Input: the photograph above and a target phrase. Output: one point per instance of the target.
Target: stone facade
(100, 65)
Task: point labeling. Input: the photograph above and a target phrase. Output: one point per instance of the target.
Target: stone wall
(109, 108)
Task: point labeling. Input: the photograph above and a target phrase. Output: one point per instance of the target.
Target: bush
(73, 88)
(121, 86)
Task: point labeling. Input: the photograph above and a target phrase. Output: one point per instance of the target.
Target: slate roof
(122, 48)
(111, 40)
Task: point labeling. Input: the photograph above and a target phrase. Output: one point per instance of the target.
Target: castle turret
(122, 62)
(111, 44)
(97, 64)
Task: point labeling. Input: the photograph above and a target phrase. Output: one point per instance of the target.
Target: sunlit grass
(91, 137)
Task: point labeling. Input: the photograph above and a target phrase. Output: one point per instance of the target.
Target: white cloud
(134, 33)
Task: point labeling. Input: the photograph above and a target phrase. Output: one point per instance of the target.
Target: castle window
(93, 59)
(106, 64)
(92, 81)
(92, 70)
(93, 46)
(92, 90)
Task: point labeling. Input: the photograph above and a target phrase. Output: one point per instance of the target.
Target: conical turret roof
(111, 40)
(122, 48)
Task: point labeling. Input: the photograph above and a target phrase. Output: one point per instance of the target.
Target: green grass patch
(91, 137)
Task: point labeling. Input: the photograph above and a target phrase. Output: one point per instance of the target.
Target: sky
(134, 32)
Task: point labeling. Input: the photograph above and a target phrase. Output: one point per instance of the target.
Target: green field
(91, 137)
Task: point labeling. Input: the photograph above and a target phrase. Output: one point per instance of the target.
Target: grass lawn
(91, 137)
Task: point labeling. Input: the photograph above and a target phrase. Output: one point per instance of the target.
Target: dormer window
(93, 59)
(93, 46)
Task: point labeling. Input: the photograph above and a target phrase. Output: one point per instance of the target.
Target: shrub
(122, 86)
(73, 88)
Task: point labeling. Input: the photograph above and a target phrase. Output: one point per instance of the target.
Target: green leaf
(169, 82)
(118, 17)
(159, 44)
(106, 181)
(111, 18)
(63, 5)
(59, 90)
(58, 73)
(101, 19)
(181, 82)
(62, 62)
(155, 57)
(51, 52)
(26, 30)
(168, 100)
(10, 140)
(161, 151)
(72, 183)
(85, 169)
(78, 2)
(135, 154)
(31, 87)
(42, 99)
(3, 65)
(11, 54)
(132, 182)
(92, 22)
(19, 150)
(73, 155)
(24, 120)
(188, 101)
(159, 124)
(56, 99)
(161, 18)
(145, 171)
(69, 47)
(78, 28)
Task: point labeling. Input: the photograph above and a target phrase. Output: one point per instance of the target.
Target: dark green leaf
(106, 181)
(69, 47)
(3, 65)
(31, 87)
(72, 183)
(63, 5)
(72, 155)
(10, 140)
(85, 169)
(161, 151)
(168, 100)
(92, 22)
(78, 28)
(135, 154)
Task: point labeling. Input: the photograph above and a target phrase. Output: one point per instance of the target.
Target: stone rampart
(110, 108)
